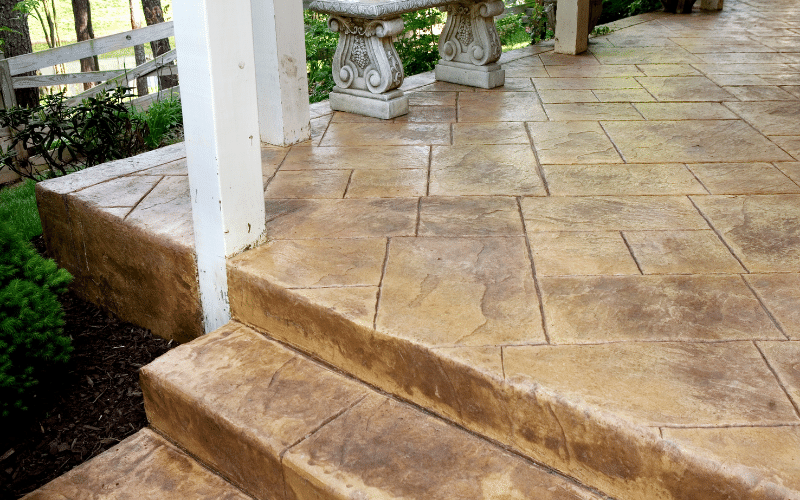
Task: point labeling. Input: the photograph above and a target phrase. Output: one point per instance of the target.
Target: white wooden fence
(11, 68)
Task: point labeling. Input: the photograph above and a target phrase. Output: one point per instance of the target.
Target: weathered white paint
(572, 26)
(220, 115)
(712, 4)
(280, 56)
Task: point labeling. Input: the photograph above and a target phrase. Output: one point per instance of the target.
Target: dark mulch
(98, 404)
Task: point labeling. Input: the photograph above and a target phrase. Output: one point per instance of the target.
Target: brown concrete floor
(621, 227)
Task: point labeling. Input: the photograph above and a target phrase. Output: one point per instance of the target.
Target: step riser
(279, 425)
(613, 456)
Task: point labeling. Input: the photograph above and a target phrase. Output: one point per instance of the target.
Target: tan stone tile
(566, 96)
(760, 93)
(120, 192)
(177, 167)
(144, 466)
(120, 212)
(684, 88)
(667, 69)
(356, 303)
(256, 389)
(317, 263)
(352, 158)
(691, 141)
(623, 39)
(719, 45)
(681, 252)
(624, 95)
(794, 90)
(792, 169)
(734, 80)
(784, 358)
(166, 211)
(91, 176)
(788, 79)
(789, 143)
(619, 180)
(770, 118)
(469, 216)
(579, 60)
(308, 184)
(525, 62)
(743, 178)
(781, 43)
(489, 360)
(386, 134)
(490, 133)
(749, 58)
(360, 453)
(404, 183)
(744, 69)
(685, 111)
(439, 86)
(592, 111)
(429, 114)
(508, 170)
(350, 218)
(572, 142)
(156, 157)
(644, 55)
(500, 107)
(432, 98)
(344, 117)
(581, 253)
(763, 230)
(779, 294)
(607, 213)
(593, 71)
(767, 451)
(516, 84)
(318, 128)
(525, 72)
(586, 83)
(460, 291)
(676, 383)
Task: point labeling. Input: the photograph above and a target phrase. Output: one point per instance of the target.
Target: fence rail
(13, 67)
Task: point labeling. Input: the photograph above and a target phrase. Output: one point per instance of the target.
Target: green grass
(520, 38)
(18, 208)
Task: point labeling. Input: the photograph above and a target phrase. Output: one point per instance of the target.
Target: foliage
(18, 209)
(601, 31)
(619, 9)
(32, 346)
(45, 12)
(320, 47)
(98, 130)
(162, 119)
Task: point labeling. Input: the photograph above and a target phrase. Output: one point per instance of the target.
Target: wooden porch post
(218, 92)
(572, 26)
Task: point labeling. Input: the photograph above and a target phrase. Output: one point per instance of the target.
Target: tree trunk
(83, 29)
(138, 52)
(17, 44)
(154, 15)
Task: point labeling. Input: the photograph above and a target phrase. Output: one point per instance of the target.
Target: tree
(83, 29)
(153, 14)
(138, 52)
(17, 41)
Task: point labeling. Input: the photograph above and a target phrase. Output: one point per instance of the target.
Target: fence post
(9, 100)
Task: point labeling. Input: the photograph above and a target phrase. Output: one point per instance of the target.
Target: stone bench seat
(367, 69)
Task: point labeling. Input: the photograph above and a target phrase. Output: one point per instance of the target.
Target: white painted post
(220, 115)
(711, 4)
(572, 26)
(281, 74)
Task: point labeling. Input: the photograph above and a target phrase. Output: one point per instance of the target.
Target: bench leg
(712, 4)
(469, 46)
(366, 68)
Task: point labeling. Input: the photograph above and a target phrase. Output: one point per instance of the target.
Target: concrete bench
(367, 69)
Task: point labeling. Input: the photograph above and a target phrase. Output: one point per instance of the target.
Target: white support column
(220, 115)
(281, 74)
(572, 26)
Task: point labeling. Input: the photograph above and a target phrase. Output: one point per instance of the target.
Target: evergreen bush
(33, 348)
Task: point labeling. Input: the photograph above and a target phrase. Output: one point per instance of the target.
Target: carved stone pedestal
(469, 46)
(366, 67)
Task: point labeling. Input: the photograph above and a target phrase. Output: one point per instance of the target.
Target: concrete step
(281, 426)
(145, 466)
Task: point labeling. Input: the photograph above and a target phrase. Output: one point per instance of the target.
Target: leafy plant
(162, 118)
(417, 46)
(18, 209)
(32, 345)
(601, 31)
(320, 47)
(98, 130)
(619, 9)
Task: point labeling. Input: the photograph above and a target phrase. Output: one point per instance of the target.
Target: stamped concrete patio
(596, 265)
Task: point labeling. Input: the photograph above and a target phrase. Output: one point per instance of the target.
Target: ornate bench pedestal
(367, 69)
(469, 45)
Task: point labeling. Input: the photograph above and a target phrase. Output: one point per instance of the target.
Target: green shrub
(619, 9)
(33, 348)
(163, 119)
(18, 209)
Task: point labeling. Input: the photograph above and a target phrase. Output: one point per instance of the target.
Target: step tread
(144, 466)
(280, 425)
